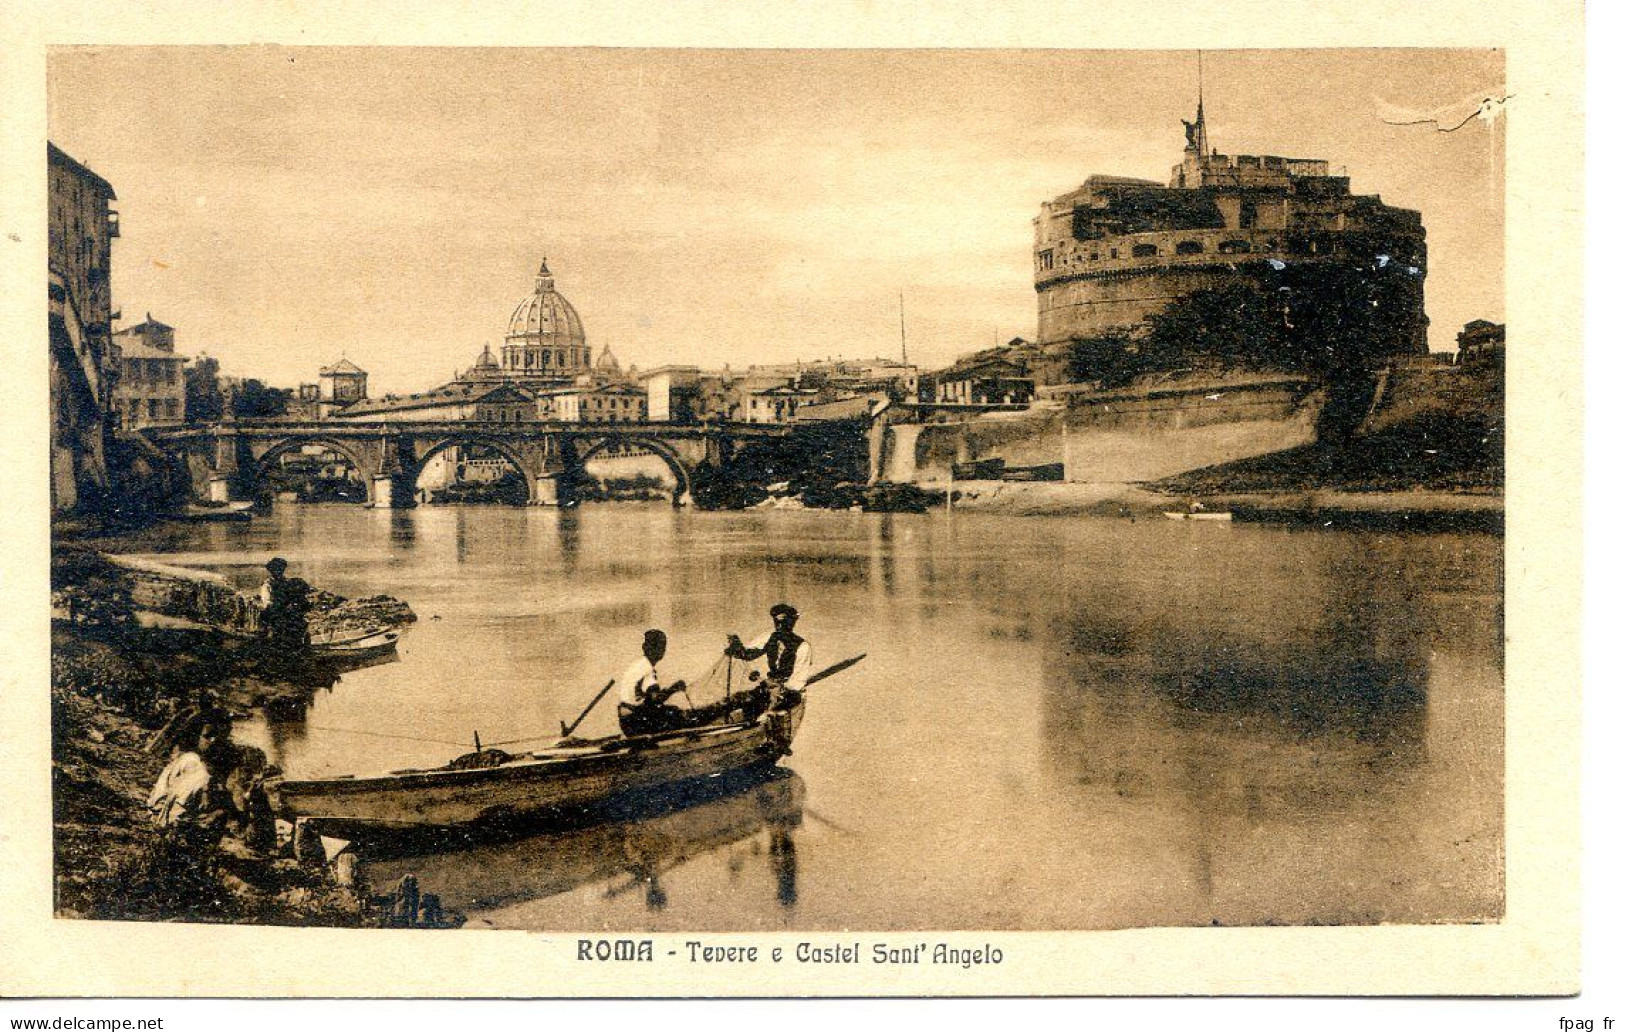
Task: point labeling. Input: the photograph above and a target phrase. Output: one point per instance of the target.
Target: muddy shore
(121, 668)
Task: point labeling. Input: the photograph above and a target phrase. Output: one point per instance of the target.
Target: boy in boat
(643, 709)
(789, 661)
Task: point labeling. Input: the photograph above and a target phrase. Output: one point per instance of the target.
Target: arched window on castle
(1233, 247)
(1188, 247)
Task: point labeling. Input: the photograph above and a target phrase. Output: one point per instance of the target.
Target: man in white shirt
(643, 709)
(789, 657)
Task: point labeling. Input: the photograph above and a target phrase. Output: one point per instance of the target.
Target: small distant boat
(571, 776)
(1220, 516)
(231, 512)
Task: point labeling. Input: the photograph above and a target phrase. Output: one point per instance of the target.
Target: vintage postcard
(987, 509)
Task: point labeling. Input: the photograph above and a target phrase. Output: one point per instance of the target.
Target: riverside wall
(1125, 436)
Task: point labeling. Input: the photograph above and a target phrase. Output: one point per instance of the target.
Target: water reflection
(1060, 724)
(633, 852)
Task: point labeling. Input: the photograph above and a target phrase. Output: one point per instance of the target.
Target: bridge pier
(218, 489)
(544, 489)
(392, 491)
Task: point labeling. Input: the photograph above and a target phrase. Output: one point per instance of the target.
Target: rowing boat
(1216, 516)
(364, 647)
(572, 776)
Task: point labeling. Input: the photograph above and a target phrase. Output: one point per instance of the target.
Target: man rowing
(789, 660)
(643, 709)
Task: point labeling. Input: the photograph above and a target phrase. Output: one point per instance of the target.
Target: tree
(254, 400)
(203, 400)
(1239, 326)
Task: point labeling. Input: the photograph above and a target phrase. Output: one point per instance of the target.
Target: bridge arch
(654, 446)
(474, 440)
(262, 464)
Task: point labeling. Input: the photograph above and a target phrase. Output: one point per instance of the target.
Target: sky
(284, 206)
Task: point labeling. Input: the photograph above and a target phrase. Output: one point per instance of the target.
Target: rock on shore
(114, 683)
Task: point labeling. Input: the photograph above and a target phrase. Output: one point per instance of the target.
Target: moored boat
(364, 647)
(1222, 517)
(230, 512)
(571, 776)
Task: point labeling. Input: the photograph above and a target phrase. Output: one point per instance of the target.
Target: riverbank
(1412, 509)
(116, 682)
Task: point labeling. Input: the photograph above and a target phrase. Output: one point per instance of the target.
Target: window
(1249, 214)
(1234, 247)
(172, 409)
(1046, 260)
(1145, 250)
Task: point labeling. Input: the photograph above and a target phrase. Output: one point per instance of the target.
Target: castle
(1113, 255)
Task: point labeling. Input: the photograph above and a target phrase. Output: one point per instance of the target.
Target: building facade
(1113, 254)
(456, 401)
(777, 403)
(595, 403)
(82, 227)
(342, 383)
(151, 385)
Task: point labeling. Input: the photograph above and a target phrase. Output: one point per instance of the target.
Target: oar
(566, 730)
(831, 671)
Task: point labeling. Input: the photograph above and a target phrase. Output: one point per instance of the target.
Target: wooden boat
(570, 777)
(231, 512)
(1219, 516)
(365, 647)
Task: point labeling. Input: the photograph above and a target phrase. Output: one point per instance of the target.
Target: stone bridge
(229, 459)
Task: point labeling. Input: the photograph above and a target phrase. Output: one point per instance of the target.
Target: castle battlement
(1115, 252)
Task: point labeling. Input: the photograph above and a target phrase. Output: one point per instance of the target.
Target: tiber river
(1061, 723)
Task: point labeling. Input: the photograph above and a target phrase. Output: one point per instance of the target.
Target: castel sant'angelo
(1116, 253)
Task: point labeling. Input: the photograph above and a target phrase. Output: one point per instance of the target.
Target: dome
(607, 362)
(545, 317)
(486, 359)
(545, 341)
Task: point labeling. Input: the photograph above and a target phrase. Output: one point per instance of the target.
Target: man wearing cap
(789, 657)
(286, 601)
(643, 709)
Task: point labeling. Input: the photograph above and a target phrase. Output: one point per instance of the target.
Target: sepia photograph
(795, 508)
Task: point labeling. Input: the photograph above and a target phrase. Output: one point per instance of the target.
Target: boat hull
(553, 782)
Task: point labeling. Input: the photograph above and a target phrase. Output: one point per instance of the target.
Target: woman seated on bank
(643, 708)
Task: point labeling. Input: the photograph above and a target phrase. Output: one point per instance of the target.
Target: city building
(982, 380)
(1482, 343)
(151, 386)
(340, 385)
(460, 400)
(1114, 254)
(595, 403)
(672, 391)
(777, 403)
(82, 226)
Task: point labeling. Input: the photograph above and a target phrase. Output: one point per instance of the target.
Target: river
(1060, 723)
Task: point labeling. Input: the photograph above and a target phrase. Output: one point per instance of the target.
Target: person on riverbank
(643, 709)
(286, 605)
(185, 800)
(789, 661)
